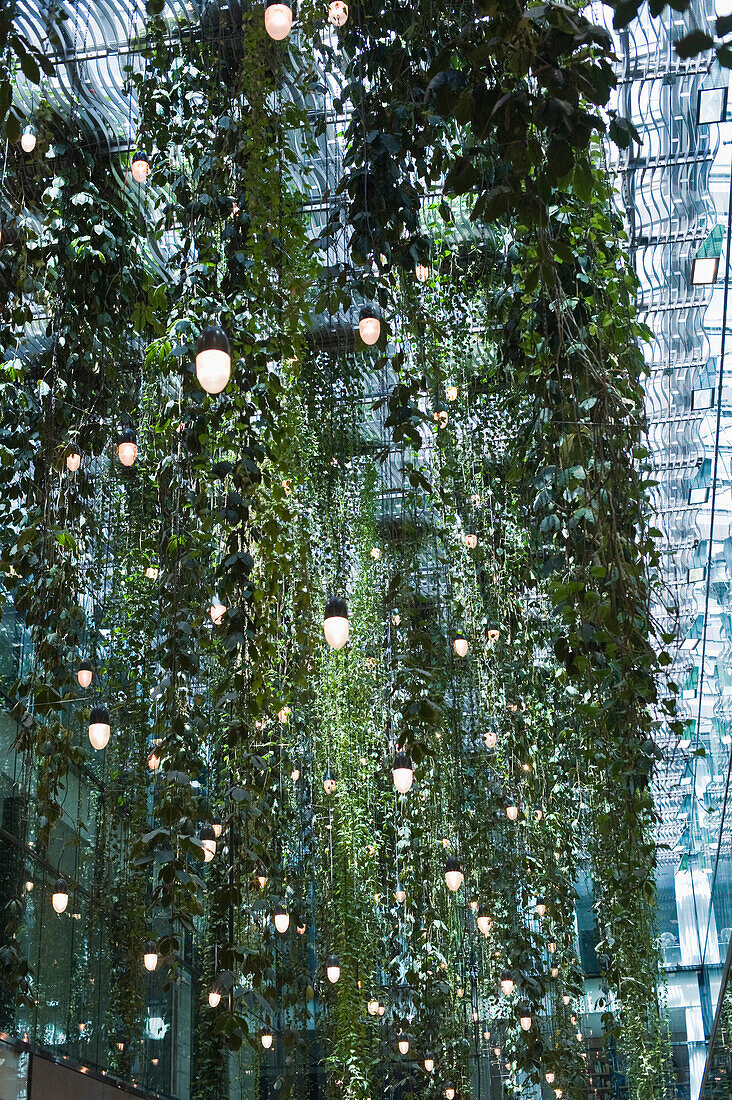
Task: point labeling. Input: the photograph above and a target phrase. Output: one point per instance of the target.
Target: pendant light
(512, 812)
(278, 19)
(338, 12)
(329, 781)
(301, 929)
(369, 326)
(60, 896)
(554, 972)
(382, 1010)
(429, 1062)
(213, 359)
(73, 458)
(450, 1091)
(217, 826)
(490, 738)
(422, 274)
(266, 1038)
(84, 673)
(524, 1014)
(99, 728)
(153, 761)
(451, 392)
(262, 880)
(150, 958)
(400, 893)
(28, 139)
(217, 611)
(453, 874)
(460, 645)
(566, 998)
(549, 1077)
(336, 625)
(127, 446)
(403, 1044)
(332, 969)
(506, 983)
(402, 772)
(484, 922)
(215, 994)
(372, 1008)
(551, 946)
(281, 919)
(540, 907)
(493, 634)
(208, 840)
(471, 541)
(139, 167)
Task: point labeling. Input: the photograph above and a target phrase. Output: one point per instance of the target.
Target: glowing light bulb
(540, 907)
(484, 923)
(60, 896)
(402, 772)
(449, 1092)
(332, 969)
(217, 826)
(403, 1045)
(208, 840)
(338, 12)
(490, 739)
(512, 812)
(549, 1077)
(453, 874)
(400, 893)
(460, 645)
(525, 1019)
(150, 958)
(73, 458)
(153, 761)
(369, 326)
(213, 359)
(28, 139)
(471, 541)
(329, 781)
(127, 447)
(266, 1038)
(429, 1062)
(422, 274)
(214, 998)
(140, 167)
(336, 625)
(217, 611)
(99, 728)
(507, 983)
(278, 20)
(566, 998)
(372, 1008)
(85, 673)
(281, 920)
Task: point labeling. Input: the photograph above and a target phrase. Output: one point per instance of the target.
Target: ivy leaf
(693, 43)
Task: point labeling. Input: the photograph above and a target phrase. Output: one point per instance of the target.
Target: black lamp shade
(99, 715)
(336, 608)
(86, 666)
(127, 435)
(453, 864)
(213, 338)
(401, 760)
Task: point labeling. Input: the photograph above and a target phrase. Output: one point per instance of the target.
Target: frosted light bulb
(453, 874)
(451, 393)
(460, 645)
(150, 958)
(153, 761)
(99, 728)
(549, 1077)
(214, 998)
(484, 923)
(450, 1092)
(278, 20)
(85, 673)
(73, 458)
(369, 326)
(490, 738)
(336, 625)
(262, 880)
(208, 840)
(404, 1045)
(507, 983)
(429, 1063)
(554, 972)
(471, 541)
(512, 812)
(217, 612)
(402, 772)
(217, 826)
(28, 139)
(540, 907)
(329, 782)
(525, 1019)
(213, 359)
(338, 12)
(332, 969)
(372, 1008)
(266, 1038)
(422, 274)
(281, 920)
(140, 167)
(127, 447)
(60, 896)
(400, 893)
(566, 998)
